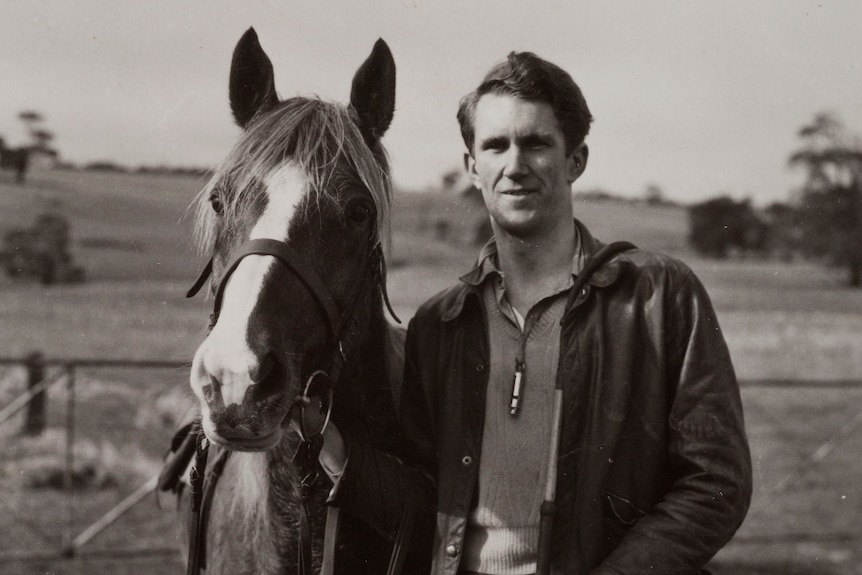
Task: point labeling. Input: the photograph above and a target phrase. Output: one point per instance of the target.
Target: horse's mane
(317, 136)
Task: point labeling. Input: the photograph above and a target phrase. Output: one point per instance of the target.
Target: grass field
(131, 234)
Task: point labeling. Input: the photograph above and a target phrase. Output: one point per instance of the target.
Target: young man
(654, 469)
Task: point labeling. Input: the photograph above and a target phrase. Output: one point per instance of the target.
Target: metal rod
(548, 509)
(115, 513)
(22, 400)
(554, 447)
(819, 454)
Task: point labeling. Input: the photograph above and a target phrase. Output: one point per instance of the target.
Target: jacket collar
(470, 282)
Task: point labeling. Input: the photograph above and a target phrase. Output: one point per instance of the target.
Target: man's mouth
(518, 192)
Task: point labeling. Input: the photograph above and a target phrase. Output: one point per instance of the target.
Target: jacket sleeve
(381, 476)
(707, 450)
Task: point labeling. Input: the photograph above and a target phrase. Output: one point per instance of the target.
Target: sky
(698, 98)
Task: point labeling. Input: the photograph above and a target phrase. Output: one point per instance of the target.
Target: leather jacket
(654, 469)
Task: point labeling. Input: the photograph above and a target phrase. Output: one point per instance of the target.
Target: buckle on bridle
(318, 385)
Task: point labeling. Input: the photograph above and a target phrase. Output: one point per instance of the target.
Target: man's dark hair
(526, 76)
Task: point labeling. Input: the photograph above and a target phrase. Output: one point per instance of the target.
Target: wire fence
(82, 441)
(82, 446)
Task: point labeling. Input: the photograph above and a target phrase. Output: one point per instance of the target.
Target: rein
(321, 383)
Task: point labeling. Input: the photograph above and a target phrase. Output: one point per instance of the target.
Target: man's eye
(536, 145)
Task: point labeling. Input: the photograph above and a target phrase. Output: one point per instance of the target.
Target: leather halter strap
(289, 257)
(292, 260)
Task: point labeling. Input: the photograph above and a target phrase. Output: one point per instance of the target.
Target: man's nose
(516, 163)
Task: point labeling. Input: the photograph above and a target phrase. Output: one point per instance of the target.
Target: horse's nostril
(268, 378)
(266, 366)
(212, 394)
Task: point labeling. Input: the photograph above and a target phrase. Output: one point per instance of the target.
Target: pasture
(132, 235)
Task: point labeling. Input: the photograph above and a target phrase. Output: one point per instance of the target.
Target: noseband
(320, 381)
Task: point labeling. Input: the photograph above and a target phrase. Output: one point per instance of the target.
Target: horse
(294, 220)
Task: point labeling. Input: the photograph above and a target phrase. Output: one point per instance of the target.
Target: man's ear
(470, 168)
(577, 162)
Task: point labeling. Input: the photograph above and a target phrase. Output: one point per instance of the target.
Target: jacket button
(466, 460)
(480, 367)
(451, 550)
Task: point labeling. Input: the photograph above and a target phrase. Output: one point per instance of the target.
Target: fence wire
(58, 505)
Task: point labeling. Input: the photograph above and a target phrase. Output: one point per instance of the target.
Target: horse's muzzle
(246, 442)
(250, 426)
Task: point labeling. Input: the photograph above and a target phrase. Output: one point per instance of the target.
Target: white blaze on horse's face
(225, 356)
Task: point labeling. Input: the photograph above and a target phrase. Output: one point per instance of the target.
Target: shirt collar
(487, 265)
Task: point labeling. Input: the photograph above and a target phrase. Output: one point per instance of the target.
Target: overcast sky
(699, 98)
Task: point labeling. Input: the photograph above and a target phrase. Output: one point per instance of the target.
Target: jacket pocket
(620, 509)
(619, 514)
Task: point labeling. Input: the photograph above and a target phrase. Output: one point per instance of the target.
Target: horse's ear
(252, 82)
(373, 93)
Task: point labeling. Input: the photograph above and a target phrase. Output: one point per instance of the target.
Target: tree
(654, 195)
(722, 225)
(831, 197)
(33, 120)
(785, 229)
(42, 139)
(30, 117)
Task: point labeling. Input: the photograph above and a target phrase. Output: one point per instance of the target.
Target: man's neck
(535, 267)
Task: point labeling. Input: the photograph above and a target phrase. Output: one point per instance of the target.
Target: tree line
(822, 221)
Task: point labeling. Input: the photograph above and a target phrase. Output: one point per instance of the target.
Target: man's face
(519, 162)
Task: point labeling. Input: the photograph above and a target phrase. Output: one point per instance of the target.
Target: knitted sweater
(503, 527)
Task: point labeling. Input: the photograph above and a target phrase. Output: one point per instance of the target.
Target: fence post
(68, 475)
(35, 417)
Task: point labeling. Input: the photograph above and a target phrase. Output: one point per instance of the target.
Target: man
(654, 469)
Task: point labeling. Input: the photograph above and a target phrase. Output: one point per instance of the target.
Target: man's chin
(521, 226)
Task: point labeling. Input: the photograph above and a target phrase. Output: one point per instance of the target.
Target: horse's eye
(215, 202)
(359, 213)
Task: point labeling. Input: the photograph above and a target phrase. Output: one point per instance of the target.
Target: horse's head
(293, 218)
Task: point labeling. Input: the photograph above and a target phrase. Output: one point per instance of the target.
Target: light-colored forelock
(317, 136)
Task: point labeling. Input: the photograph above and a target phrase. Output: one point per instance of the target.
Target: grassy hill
(132, 235)
(125, 227)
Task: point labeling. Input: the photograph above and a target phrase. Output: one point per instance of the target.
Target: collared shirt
(489, 267)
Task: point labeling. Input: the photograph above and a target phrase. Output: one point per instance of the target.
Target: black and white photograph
(431, 287)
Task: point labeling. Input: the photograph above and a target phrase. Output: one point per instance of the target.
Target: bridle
(320, 383)
(375, 271)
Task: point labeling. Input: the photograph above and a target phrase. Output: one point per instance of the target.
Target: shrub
(720, 226)
(41, 251)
